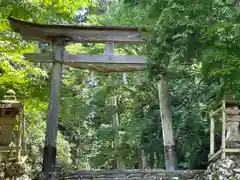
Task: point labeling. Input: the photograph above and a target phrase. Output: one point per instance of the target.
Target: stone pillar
(232, 123)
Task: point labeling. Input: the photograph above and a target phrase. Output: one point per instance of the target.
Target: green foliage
(35, 115)
(194, 43)
(197, 40)
(28, 80)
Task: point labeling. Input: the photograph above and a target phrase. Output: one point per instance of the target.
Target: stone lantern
(10, 120)
(229, 112)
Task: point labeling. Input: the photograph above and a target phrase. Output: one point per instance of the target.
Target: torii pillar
(50, 150)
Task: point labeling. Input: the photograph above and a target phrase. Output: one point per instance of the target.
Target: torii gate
(60, 36)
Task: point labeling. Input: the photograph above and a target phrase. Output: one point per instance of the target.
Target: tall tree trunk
(167, 129)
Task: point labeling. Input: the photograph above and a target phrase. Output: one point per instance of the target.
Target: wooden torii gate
(60, 36)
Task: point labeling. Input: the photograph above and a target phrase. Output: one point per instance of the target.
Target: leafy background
(194, 42)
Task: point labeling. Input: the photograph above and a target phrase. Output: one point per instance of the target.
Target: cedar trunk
(167, 128)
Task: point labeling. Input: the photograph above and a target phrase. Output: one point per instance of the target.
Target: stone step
(145, 174)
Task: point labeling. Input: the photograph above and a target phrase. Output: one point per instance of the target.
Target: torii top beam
(84, 34)
(76, 33)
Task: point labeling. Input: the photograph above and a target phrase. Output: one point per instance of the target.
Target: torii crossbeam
(59, 36)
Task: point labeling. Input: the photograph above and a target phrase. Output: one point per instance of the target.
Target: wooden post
(19, 137)
(23, 129)
(223, 129)
(167, 129)
(212, 131)
(50, 151)
(110, 49)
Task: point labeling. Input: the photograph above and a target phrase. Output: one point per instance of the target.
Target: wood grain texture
(70, 33)
(167, 127)
(87, 59)
(100, 63)
(49, 158)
